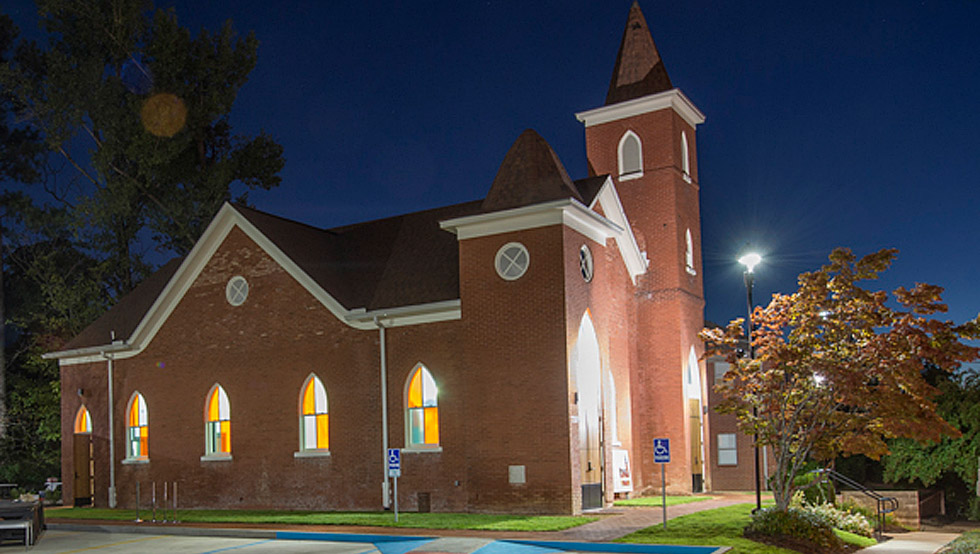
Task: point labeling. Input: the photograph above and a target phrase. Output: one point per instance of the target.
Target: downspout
(384, 412)
(112, 431)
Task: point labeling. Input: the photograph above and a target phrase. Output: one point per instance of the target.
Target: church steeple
(639, 71)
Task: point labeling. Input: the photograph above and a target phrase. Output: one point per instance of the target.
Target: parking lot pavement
(69, 542)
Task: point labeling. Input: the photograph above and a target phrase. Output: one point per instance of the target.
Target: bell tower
(644, 138)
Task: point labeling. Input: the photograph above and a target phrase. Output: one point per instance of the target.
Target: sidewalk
(920, 542)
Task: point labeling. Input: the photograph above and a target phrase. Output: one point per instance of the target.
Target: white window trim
(312, 453)
(685, 157)
(135, 461)
(222, 457)
(421, 449)
(301, 431)
(129, 406)
(734, 449)
(635, 174)
(500, 253)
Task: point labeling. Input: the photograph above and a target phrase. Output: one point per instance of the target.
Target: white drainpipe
(112, 431)
(384, 413)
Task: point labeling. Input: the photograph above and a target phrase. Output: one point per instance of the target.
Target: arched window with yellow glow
(217, 423)
(314, 416)
(423, 409)
(136, 428)
(83, 421)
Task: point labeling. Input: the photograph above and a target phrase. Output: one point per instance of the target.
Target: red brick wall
(661, 207)
(516, 388)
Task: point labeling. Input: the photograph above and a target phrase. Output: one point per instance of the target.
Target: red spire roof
(639, 70)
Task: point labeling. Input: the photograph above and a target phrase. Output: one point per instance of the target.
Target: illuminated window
(83, 421)
(217, 429)
(727, 449)
(423, 409)
(630, 156)
(314, 418)
(136, 428)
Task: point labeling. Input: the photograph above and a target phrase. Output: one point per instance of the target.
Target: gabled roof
(639, 71)
(403, 269)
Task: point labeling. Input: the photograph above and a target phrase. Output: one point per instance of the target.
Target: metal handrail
(883, 504)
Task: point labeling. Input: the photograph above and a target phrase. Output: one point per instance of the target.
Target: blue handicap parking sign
(394, 458)
(661, 451)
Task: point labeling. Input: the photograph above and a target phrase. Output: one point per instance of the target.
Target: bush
(842, 519)
(853, 508)
(967, 543)
(795, 527)
(814, 493)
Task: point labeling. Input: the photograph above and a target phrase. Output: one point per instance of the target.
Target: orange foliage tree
(838, 368)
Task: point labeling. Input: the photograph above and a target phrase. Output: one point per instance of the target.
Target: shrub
(814, 493)
(842, 519)
(853, 508)
(967, 543)
(794, 526)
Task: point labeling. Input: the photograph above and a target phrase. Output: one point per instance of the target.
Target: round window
(585, 262)
(237, 290)
(512, 261)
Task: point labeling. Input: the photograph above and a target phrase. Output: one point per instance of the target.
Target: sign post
(395, 471)
(661, 455)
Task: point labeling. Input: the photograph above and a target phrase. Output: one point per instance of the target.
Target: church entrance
(588, 370)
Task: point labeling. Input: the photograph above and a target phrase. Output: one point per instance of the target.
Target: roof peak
(530, 173)
(639, 70)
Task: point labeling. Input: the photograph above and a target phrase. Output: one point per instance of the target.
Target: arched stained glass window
(136, 428)
(685, 156)
(630, 156)
(314, 416)
(423, 409)
(83, 421)
(217, 428)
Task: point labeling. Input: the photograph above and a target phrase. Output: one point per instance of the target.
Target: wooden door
(84, 474)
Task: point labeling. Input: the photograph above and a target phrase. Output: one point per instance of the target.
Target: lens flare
(164, 114)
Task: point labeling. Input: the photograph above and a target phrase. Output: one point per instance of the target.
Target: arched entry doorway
(587, 369)
(694, 411)
(83, 483)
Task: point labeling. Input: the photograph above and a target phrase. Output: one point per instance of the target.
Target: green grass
(719, 527)
(655, 501)
(857, 540)
(967, 543)
(412, 520)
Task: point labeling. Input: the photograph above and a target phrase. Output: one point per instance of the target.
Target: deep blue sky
(828, 124)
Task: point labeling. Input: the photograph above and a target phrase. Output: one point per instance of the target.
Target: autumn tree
(838, 368)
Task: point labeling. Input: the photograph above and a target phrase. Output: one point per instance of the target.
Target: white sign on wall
(622, 472)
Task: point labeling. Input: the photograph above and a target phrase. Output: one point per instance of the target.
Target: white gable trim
(569, 212)
(672, 98)
(215, 234)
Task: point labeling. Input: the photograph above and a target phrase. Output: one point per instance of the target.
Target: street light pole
(750, 260)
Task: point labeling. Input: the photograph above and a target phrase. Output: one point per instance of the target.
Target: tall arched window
(217, 426)
(685, 157)
(689, 253)
(630, 156)
(314, 417)
(422, 412)
(83, 421)
(136, 428)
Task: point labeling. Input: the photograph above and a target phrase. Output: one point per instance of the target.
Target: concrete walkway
(924, 542)
(623, 521)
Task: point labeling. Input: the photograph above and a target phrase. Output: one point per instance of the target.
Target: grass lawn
(655, 501)
(719, 527)
(412, 520)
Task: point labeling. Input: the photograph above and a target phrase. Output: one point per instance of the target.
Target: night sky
(832, 124)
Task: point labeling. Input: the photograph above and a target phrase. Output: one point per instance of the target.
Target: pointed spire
(639, 70)
(530, 173)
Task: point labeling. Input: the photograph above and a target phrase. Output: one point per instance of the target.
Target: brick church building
(523, 350)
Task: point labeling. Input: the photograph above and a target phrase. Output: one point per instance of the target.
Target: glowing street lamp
(750, 260)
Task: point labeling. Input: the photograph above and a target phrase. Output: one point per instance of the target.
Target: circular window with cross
(237, 290)
(512, 261)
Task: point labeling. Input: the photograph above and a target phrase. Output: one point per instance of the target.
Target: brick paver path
(629, 520)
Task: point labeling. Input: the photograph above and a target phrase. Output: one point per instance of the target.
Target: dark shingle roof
(398, 261)
(123, 318)
(530, 173)
(639, 71)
